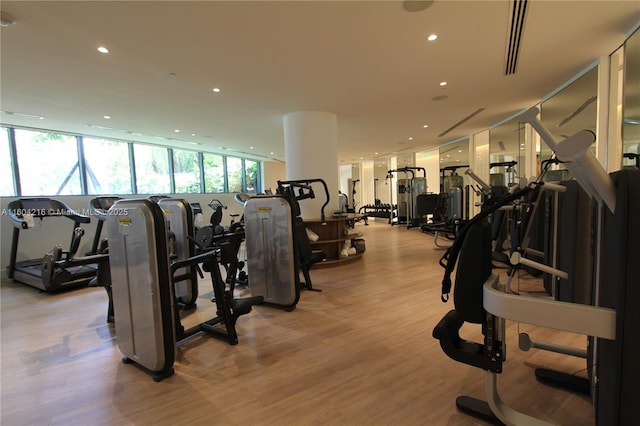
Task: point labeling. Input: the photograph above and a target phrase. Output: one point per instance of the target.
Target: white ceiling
(368, 62)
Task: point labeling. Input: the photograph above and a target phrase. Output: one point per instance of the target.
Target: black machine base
(478, 409)
(157, 376)
(563, 380)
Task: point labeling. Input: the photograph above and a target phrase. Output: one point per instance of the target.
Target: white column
(366, 184)
(311, 152)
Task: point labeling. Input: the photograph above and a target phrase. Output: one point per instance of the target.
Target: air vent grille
(468, 117)
(518, 14)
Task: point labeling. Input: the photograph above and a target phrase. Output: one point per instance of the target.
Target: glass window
(152, 169)
(6, 173)
(213, 173)
(234, 174)
(186, 171)
(48, 163)
(107, 166)
(251, 173)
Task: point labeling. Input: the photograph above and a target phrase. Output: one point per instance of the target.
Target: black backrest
(301, 239)
(474, 267)
(426, 204)
(440, 211)
(216, 216)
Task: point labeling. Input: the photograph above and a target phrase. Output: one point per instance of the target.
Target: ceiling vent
(518, 13)
(578, 110)
(468, 117)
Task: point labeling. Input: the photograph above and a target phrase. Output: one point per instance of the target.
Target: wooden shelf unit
(333, 237)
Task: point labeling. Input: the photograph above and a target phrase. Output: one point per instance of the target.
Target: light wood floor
(358, 353)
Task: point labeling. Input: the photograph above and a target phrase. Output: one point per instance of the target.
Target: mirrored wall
(454, 161)
(631, 105)
(569, 111)
(506, 153)
(380, 181)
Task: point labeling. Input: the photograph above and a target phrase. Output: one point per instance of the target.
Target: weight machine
(611, 323)
(507, 178)
(408, 189)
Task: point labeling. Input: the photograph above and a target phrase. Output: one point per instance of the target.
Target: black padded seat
(243, 306)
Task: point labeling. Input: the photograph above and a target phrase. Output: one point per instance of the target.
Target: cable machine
(408, 189)
(452, 186)
(506, 178)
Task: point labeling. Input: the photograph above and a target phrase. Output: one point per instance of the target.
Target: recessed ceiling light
(103, 49)
(432, 37)
(459, 150)
(215, 89)
(107, 117)
(250, 147)
(410, 138)
(177, 130)
(416, 5)
(443, 83)
(6, 19)
(375, 153)
(271, 153)
(425, 125)
(193, 134)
